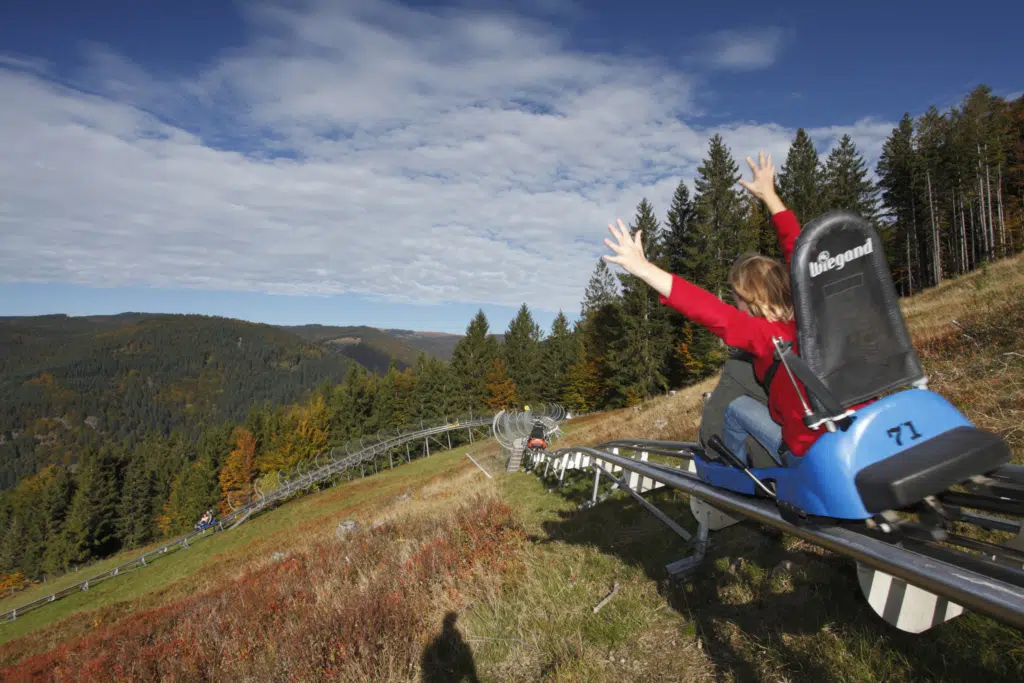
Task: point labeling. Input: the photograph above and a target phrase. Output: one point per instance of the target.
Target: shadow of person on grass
(448, 658)
(751, 592)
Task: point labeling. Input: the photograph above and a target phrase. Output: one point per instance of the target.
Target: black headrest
(850, 328)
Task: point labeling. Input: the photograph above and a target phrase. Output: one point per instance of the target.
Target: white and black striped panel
(904, 605)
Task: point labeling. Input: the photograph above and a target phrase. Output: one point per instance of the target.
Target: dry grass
(931, 314)
(223, 558)
(667, 418)
(363, 608)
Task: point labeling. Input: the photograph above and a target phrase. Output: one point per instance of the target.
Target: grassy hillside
(438, 344)
(368, 346)
(374, 348)
(71, 380)
(521, 568)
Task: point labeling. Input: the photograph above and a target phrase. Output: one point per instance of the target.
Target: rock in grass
(346, 527)
(784, 566)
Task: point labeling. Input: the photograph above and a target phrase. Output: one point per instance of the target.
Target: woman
(764, 312)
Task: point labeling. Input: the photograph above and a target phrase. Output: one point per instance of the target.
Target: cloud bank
(411, 155)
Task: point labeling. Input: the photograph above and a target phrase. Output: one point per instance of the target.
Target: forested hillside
(222, 406)
(69, 382)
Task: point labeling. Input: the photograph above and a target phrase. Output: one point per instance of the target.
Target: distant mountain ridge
(374, 347)
(77, 379)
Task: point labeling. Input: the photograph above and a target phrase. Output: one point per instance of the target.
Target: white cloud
(416, 156)
(744, 50)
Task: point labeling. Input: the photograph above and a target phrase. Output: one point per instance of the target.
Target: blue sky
(401, 165)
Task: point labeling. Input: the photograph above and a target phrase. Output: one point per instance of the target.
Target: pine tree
(471, 361)
(680, 236)
(582, 389)
(384, 403)
(522, 354)
(12, 541)
(847, 186)
(602, 290)
(135, 524)
(682, 244)
(354, 403)
(56, 504)
(601, 324)
(1015, 171)
(436, 390)
(91, 529)
(722, 230)
(194, 492)
(559, 352)
(640, 353)
(895, 171)
(801, 179)
(932, 154)
(719, 214)
(501, 388)
(405, 389)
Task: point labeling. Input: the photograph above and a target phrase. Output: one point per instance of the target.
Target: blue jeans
(744, 417)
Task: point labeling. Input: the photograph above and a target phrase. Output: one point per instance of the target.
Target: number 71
(897, 433)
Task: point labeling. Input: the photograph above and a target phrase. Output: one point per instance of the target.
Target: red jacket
(753, 334)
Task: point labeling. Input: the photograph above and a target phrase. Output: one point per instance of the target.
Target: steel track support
(669, 522)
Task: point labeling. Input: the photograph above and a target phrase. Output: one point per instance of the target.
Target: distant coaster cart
(208, 520)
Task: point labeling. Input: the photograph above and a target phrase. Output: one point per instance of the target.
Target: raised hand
(630, 251)
(763, 183)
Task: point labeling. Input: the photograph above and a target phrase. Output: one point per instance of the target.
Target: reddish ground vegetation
(359, 609)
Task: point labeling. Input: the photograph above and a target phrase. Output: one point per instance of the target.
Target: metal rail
(1001, 601)
(300, 478)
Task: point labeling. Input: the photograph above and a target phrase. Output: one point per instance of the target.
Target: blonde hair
(764, 284)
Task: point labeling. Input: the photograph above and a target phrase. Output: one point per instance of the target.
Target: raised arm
(734, 327)
(737, 329)
(763, 187)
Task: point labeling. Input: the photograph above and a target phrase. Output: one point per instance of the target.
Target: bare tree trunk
(988, 193)
(981, 210)
(981, 214)
(974, 236)
(963, 234)
(1002, 222)
(936, 244)
(917, 245)
(910, 269)
(954, 243)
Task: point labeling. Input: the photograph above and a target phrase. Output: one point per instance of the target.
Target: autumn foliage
(302, 434)
(239, 469)
(359, 609)
(500, 387)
